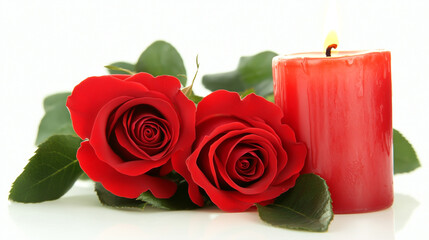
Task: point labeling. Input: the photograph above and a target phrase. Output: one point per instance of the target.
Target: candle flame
(331, 26)
(332, 38)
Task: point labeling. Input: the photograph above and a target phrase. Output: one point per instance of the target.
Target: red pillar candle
(341, 107)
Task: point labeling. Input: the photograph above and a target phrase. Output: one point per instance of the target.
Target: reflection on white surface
(234, 226)
(79, 215)
(376, 225)
(404, 206)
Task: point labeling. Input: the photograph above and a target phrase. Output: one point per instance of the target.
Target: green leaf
(50, 173)
(57, 118)
(230, 81)
(307, 206)
(161, 58)
(108, 199)
(252, 72)
(121, 68)
(256, 68)
(264, 88)
(179, 201)
(404, 157)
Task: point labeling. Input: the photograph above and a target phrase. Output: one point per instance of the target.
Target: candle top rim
(321, 55)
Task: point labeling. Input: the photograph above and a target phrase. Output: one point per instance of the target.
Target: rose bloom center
(140, 133)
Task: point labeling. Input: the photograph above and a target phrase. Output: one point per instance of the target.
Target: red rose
(134, 124)
(243, 153)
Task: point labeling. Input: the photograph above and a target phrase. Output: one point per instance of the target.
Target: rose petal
(168, 85)
(207, 165)
(166, 169)
(120, 184)
(272, 192)
(257, 168)
(186, 109)
(218, 103)
(123, 137)
(226, 149)
(156, 101)
(226, 103)
(270, 169)
(179, 165)
(258, 106)
(296, 153)
(211, 126)
(229, 141)
(101, 145)
(149, 131)
(221, 198)
(88, 98)
(141, 100)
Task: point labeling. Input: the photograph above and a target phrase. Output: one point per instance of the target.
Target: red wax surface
(341, 107)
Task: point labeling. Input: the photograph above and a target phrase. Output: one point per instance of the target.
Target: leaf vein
(293, 210)
(53, 174)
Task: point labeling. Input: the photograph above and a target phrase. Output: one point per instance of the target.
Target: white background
(50, 46)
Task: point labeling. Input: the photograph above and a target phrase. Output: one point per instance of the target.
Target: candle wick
(328, 49)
